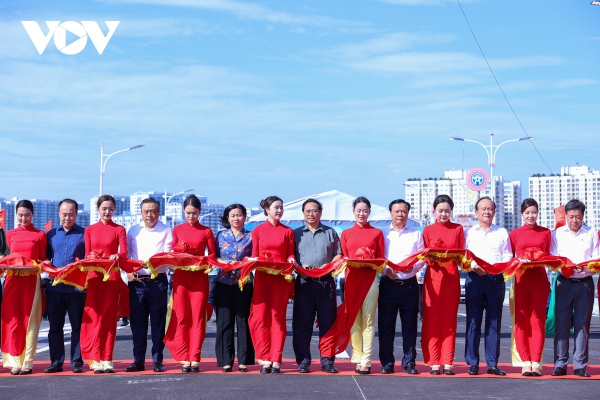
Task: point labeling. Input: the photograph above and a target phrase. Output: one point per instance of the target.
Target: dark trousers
(574, 302)
(398, 296)
(342, 285)
(58, 305)
(232, 307)
(212, 280)
(148, 299)
(483, 293)
(312, 298)
(421, 301)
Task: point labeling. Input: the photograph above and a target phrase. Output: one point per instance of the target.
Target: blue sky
(243, 99)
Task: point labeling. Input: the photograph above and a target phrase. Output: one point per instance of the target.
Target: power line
(500, 87)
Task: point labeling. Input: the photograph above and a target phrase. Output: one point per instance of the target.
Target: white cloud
(252, 11)
(159, 27)
(443, 62)
(390, 42)
(422, 2)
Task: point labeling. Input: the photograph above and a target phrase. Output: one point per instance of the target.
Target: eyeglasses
(308, 212)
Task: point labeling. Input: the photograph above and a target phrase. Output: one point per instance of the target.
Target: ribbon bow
(364, 253)
(183, 247)
(266, 256)
(97, 254)
(439, 244)
(532, 253)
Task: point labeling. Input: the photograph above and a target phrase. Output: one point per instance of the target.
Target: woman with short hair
(232, 305)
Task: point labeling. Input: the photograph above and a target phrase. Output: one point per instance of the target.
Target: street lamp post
(168, 199)
(103, 161)
(491, 151)
(205, 215)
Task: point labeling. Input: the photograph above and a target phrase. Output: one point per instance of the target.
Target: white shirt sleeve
(130, 242)
(554, 244)
(168, 241)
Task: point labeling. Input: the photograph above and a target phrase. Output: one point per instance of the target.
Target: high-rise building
(9, 212)
(43, 211)
(211, 216)
(138, 197)
(578, 182)
(420, 193)
(122, 207)
(512, 205)
(128, 212)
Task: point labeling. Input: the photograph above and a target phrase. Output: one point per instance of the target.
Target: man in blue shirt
(64, 245)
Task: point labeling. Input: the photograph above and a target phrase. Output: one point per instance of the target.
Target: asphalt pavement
(296, 386)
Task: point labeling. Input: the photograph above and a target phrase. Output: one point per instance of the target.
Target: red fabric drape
(19, 292)
(357, 286)
(187, 325)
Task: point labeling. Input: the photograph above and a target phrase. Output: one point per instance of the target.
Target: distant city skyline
(241, 99)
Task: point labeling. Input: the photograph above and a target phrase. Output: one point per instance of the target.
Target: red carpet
(345, 367)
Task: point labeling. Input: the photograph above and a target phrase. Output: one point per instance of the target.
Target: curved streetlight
(103, 161)
(491, 151)
(168, 199)
(205, 215)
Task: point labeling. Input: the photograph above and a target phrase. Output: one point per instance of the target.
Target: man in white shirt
(483, 291)
(574, 296)
(399, 291)
(148, 297)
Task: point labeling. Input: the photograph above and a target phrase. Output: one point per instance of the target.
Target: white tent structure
(337, 212)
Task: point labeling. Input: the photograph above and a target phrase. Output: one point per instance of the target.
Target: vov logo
(59, 31)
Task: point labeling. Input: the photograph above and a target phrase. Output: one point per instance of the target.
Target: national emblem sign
(477, 179)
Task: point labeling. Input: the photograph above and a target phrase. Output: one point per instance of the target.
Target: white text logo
(59, 31)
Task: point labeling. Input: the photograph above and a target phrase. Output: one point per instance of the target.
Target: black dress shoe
(98, 371)
(158, 367)
(26, 372)
(367, 372)
(195, 368)
(558, 371)
(276, 370)
(245, 369)
(329, 368)
(266, 369)
(581, 372)
(411, 369)
(227, 369)
(387, 369)
(496, 371)
(77, 369)
(448, 371)
(109, 371)
(135, 367)
(434, 372)
(526, 373)
(303, 368)
(474, 370)
(186, 369)
(53, 368)
(533, 373)
(15, 371)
